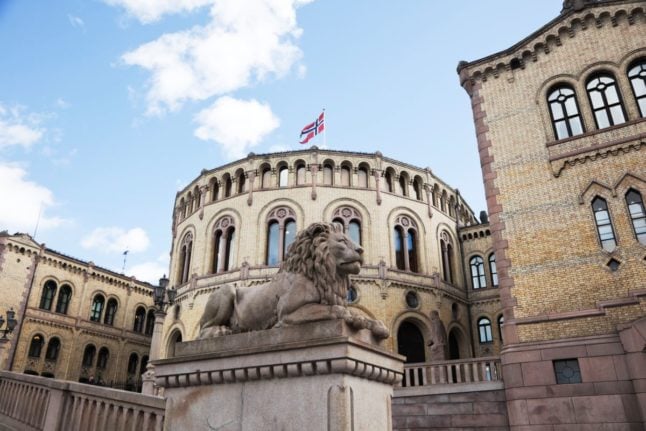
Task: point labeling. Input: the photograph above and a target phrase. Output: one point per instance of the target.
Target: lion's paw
(379, 330)
(215, 331)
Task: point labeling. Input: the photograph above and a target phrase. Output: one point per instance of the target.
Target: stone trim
(602, 306)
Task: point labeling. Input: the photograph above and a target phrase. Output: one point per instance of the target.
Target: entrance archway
(175, 337)
(410, 343)
(454, 344)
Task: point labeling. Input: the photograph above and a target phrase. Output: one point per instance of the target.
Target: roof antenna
(125, 256)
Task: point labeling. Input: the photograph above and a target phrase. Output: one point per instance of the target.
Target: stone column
(377, 175)
(252, 177)
(314, 169)
(148, 378)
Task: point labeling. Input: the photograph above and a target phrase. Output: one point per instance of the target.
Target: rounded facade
(234, 224)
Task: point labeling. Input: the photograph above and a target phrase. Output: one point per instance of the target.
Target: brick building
(75, 320)
(561, 131)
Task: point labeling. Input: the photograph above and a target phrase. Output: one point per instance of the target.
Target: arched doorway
(454, 344)
(175, 337)
(410, 342)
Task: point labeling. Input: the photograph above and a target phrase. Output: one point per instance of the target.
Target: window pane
(617, 115)
(570, 106)
(576, 126)
(642, 106)
(354, 232)
(290, 235)
(557, 110)
(300, 175)
(272, 244)
(561, 129)
(282, 178)
(611, 95)
(602, 217)
(595, 98)
(602, 119)
(636, 210)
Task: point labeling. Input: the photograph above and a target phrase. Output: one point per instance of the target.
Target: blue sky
(107, 108)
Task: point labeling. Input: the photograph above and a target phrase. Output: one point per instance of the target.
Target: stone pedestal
(319, 376)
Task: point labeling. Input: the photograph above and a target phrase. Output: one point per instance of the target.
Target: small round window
(412, 300)
(352, 295)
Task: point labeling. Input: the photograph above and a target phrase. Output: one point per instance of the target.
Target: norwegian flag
(313, 129)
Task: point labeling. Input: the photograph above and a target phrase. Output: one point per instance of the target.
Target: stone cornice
(549, 37)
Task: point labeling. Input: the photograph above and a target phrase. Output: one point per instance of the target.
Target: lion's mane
(309, 255)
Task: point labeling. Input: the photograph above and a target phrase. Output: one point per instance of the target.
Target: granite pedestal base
(319, 376)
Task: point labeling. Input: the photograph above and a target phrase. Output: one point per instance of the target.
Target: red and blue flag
(313, 129)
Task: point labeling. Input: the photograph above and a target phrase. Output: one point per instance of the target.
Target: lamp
(160, 291)
(11, 323)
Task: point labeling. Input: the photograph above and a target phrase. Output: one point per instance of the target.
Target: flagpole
(324, 129)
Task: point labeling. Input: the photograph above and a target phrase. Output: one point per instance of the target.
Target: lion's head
(325, 255)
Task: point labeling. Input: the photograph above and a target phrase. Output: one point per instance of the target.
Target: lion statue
(311, 285)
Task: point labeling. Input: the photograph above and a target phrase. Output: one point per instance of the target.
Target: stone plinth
(319, 376)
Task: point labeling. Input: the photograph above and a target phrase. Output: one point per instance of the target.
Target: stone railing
(451, 372)
(37, 403)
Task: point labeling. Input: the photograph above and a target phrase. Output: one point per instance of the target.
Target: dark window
(399, 248)
(389, 181)
(447, 257)
(36, 346)
(140, 318)
(223, 245)
(412, 300)
(215, 190)
(403, 185)
(47, 297)
(241, 183)
(281, 232)
(567, 371)
(150, 322)
(411, 246)
(97, 308)
(88, 355)
(362, 178)
(484, 331)
(53, 347)
(604, 224)
(352, 295)
(637, 215)
(290, 235)
(102, 361)
(133, 361)
(410, 343)
(492, 270)
(613, 264)
(606, 101)
(564, 111)
(417, 187)
(272, 243)
(228, 185)
(110, 312)
(64, 297)
(283, 176)
(478, 278)
(266, 178)
(186, 250)
(217, 251)
(637, 76)
(228, 252)
(501, 320)
(144, 362)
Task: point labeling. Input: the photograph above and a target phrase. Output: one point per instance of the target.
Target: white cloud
(16, 128)
(237, 125)
(76, 22)
(22, 201)
(115, 239)
(244, 42)
(151, 271)
(147, 11)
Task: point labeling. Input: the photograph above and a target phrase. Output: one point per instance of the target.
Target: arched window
(478, 279)
(182, 208)
(150, 322)
(389, 177)
(189, 205)
(492, 270)
(637, 214)
(328, 174)
(434, 195)
(228, 186)
(637, 76)
(605, 101)
(223, 245)
(140, 318)
(406, 239)
(215, 190)
(36, 346)
(110, 312)
(88, 355)
(281, 232)
(446, 246)
(53, 348)
(345, 175)
(241, 179)
(300, 173)
(362, 177)
(133, 361)
(484, 330)
(266, 177)
(564, 111)
(102, 360)
(501, 320)
(443, 201)
(604, 224)
(417, 188)
(47, 297)
(64, 297)
(350, 218)
(97, 308)
(175, 337)
(186, 249)
(403, 184)
(352, 295)
(283, 176)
